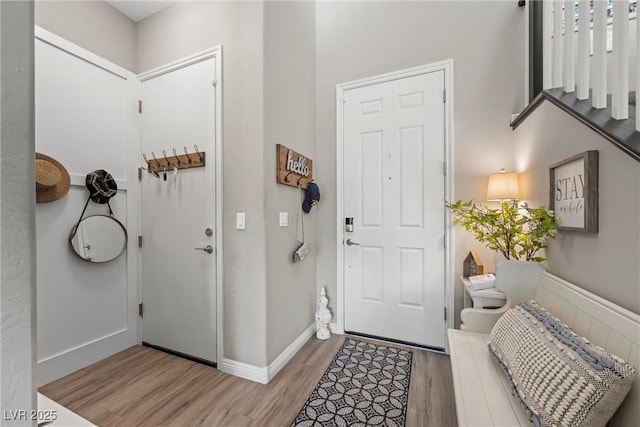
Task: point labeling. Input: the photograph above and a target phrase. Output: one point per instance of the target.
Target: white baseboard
(266, 374)
(289, 352)
(244, 370)
(53, 367)
(333, 327)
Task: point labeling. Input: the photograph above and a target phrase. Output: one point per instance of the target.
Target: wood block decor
(472, 265)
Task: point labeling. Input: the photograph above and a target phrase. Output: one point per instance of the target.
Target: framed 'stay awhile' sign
(573, 192)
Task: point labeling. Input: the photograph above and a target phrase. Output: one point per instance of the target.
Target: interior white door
(178, 213)
(394, 188)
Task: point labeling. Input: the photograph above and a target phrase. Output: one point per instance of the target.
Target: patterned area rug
(365, 385)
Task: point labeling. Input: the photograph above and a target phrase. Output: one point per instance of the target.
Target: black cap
(311, 197)
(102, 187)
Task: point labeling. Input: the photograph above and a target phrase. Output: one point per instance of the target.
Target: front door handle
(208, 249)
(352, 243)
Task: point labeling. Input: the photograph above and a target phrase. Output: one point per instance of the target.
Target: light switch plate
(284, 219)
(240, 221)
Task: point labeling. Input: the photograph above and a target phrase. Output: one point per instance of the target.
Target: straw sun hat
(52, 179)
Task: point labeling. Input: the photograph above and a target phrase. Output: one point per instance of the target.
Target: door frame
(447, 67)
(214, 52)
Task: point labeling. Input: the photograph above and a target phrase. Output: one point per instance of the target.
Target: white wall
(485, 40)
(289, 78)
(93, 25)
(17, 218)
(86, 118)
(605, 263)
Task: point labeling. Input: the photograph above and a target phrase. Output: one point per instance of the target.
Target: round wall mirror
(98, 238)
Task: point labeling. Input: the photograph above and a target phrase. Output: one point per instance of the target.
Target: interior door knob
(352, 243)
(208, 249)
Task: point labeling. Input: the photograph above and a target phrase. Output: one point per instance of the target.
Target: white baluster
(547, 50)
(584, 31)
(620, 72)
(599, 54)
(557, 43)
(569, 61)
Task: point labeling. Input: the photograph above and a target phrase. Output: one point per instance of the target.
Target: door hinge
(444, 168)
(139, 241)
(444, 241)
(139, 174)
(214, 82)
(444, 95)
(139, 106)
(140, 310)
(445, 314)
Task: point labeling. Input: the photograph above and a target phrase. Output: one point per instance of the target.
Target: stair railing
(578, 62)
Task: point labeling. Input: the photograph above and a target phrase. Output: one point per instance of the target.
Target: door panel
(372, 283)
(411, 177)
(178, 281)
(394, 189)
(372, 194)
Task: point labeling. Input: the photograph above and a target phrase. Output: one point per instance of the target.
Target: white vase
(518, 279)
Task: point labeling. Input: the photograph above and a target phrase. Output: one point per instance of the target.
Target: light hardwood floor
(145, 387)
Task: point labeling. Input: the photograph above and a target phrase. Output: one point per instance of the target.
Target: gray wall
(272, 42)
(93, 25)
(190, 27)
(289, 93)
(275, 65)
(269, 84)
(606, 263)
(486, 42)
(269, 67)
(17, 212)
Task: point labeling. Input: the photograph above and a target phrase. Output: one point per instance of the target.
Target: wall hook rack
(177, 161)
(293, 168)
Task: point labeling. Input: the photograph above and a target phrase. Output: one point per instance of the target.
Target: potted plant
(517, 232)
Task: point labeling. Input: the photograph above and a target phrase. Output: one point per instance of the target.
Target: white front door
(394, 189)
(178, 213)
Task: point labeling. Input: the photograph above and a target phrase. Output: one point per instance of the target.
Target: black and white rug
(365, 385)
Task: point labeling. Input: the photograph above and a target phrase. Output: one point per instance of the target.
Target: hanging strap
(75, 230)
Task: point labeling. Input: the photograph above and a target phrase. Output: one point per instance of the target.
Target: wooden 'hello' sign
(293, 168)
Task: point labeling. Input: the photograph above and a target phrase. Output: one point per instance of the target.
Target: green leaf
(515, 231)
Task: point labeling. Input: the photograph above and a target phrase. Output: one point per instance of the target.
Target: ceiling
(140, 9)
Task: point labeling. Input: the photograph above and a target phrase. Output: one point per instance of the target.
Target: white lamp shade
(503, 186)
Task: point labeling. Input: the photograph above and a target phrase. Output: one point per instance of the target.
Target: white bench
(482, 391)
(50, 410)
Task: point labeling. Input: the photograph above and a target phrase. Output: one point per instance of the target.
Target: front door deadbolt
(348, 225)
